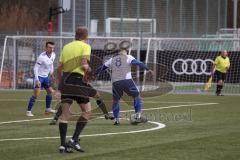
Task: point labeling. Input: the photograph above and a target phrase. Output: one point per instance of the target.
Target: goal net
(130, 26)
(19, 54)
(180, 65)
(188, 63)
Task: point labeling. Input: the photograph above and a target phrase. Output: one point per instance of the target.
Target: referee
(73, 65)
(220, 68)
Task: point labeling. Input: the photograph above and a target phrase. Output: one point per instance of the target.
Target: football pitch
(181, 127)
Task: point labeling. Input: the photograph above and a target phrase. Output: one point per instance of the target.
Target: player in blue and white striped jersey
(43, 77)
(120, 67)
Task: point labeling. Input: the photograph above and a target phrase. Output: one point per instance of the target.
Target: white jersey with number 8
(120, 66)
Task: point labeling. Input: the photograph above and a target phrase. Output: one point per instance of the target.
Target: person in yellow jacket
(220, 69)
(72, 71)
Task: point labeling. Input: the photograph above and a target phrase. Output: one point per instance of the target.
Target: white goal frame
(142, 44)
(152, 22)
(17, 37)
(217, 46)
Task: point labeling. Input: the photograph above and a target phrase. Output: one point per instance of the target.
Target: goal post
(131, 26)
(188, 62)
(18, 58)
(3, 56)
(20, 53)
(181, 65)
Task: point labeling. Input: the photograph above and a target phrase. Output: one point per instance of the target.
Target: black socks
(79, 127)
(219, 88)
(63, 132)
(102, 106)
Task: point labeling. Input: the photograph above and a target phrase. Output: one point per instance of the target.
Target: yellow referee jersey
(72, 55)
(222, 64)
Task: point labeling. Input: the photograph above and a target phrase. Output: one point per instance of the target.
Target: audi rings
(184, 67)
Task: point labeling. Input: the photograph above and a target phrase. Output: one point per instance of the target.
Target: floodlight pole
(53, 12)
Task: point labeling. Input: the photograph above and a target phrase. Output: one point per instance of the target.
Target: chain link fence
(151, 18)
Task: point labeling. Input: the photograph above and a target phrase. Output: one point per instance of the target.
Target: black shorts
(73, 87)
(220, 76)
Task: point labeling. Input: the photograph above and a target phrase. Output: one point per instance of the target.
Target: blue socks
(116, 109)
(48, 100)
(32, 100)
(31, 103)
(138, 106)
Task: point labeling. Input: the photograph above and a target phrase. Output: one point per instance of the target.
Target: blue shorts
(127, 86)
(44, 81)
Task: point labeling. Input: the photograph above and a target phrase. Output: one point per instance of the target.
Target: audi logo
(192, 66)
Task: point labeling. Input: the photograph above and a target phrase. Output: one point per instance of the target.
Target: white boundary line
(177, 106)
(25, 120)
(144, 101)
(21, 100)
(147, 109)
(159, 125)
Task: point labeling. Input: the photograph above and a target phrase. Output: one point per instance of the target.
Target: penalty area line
(145, 101)
(159, 126)
(25, 120)
(145, 109)
(176, 106)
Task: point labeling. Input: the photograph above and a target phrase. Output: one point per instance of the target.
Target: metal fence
(171, 18)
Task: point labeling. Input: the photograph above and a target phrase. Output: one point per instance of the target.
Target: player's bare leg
(99, 102)
(36, 92)
(58, 108)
